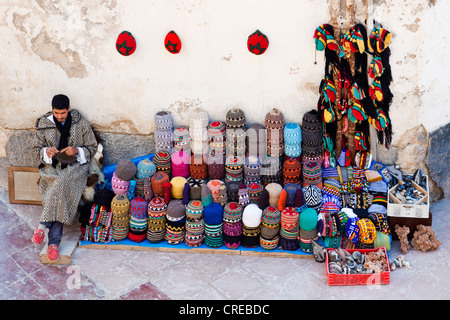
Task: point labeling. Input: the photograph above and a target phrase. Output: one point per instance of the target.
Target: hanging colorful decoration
(348, 104)
(125, 43)
(172, 42)
(257, 43)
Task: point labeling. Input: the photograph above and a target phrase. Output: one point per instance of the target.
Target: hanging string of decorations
(345, 94)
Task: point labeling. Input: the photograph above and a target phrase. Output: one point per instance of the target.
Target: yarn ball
(251, 217)
(308, 219)
(126, 170)
(213, 214)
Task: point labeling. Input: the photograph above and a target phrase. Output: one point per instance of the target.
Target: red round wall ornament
(172, 42)
(125, 43)
(257, 42)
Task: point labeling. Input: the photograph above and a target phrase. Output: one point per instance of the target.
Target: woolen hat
(178, 185)
(145, 168)
(157, 181)
(251, 216)
(176, 210)
(308, 219)
(274, 190)
(119, 186)
(213, 214)
(126, 170)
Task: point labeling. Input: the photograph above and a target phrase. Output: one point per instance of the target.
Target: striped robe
(61, 189)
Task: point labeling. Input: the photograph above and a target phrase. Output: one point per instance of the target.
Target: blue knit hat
(213, 214)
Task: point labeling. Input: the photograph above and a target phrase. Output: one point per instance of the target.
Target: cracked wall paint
(69, 46)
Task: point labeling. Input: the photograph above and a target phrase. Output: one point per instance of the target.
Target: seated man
(65, 143)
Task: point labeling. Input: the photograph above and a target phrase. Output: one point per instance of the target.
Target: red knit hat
(172, 42)
(257, 43)
(125, 43)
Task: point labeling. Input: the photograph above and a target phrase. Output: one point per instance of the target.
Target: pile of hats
(254, 190)
(331, 192)
(162, 161)
(292, 171)
(157, 183)
(274, 122)
(120, 221)
(256, 140)
(270, 227)
(125, 172)
(271, 171)
(235, 132)
(175, 222)
(180, 164)
(138, 219)
(308, 229)
(213, 218)
(312, 170)
(198, 167)
(198, 124)
(145, 169)
(216, 166)
(156, 224)
(289, 226)
(251, 225)
(217, 137)
(234, 168)
(181, 139)
(195, 225)
(252, 169)
(163, 131)
(312, 143)
(292, 140)
(232, 225)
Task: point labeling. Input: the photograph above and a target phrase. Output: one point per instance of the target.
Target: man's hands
(70, 151)
(51, 151)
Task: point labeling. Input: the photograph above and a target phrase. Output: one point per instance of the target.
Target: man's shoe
(53, 252)
(38, 236)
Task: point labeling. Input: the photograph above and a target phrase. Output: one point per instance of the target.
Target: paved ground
(130, 275)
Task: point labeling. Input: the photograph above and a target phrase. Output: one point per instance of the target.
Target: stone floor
(132, 275)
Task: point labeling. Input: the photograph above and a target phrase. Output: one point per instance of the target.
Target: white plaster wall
(69, 46)
(419, 61)
(64, 46)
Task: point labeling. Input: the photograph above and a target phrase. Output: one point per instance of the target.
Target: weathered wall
(50, 47)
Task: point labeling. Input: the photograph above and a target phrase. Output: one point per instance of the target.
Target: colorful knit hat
(257, 43)
(198, 167)
(243, 195)
(125, 43)
(206, 197)
(145, 168)
(163, 121)
(119, 186)
(172, 42)
(312, 196)
(157, 181)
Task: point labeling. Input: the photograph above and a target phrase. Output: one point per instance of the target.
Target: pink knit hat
(180, 164)
(119, 186)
